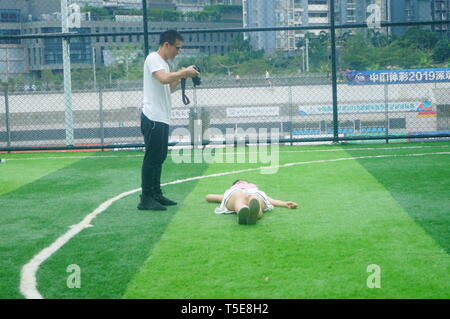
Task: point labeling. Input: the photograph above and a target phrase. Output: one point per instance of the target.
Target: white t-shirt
(157, 104)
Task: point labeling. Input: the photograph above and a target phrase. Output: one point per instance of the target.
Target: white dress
(222, 209)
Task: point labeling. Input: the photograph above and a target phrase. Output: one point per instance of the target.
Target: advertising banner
(397, 76)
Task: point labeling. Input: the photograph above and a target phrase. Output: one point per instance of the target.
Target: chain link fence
(305, 82)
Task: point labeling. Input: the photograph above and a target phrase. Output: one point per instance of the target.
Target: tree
(48, 78)
(356, 52)
(207, 63)
(318, 49)
(16, 82)
(441, 52)
(82, 77)
(377, 39)
(416, 37)
(125, 56)
(285, 62)
(344, 37)
(240, 50)
(253, 67)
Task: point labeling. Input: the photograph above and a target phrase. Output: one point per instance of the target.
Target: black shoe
(164, 200)
(248, 215)
(149, 203)
(253, 207)
(243, 214)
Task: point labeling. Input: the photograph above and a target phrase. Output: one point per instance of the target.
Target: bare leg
(237, 200)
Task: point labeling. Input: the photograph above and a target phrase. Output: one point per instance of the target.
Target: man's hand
(190, 72)
(172, 77)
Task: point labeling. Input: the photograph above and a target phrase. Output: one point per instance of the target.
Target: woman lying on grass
(247, 201)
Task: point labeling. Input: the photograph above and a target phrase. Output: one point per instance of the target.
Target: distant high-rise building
(357, 11)
(279, 13)
(259, 13)
(440, 11)
(420, 10)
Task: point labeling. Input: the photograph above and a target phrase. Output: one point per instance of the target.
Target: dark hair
(238, 180)
(170, 36)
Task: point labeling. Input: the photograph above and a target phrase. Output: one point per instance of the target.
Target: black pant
(156, 139)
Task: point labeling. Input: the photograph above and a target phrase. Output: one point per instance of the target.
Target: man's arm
(173, 86)
(174, 77)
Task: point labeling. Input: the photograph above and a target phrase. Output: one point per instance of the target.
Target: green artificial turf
(421, 187)
(20, 169)
(346, 221)
(110, 253)
(351, 214)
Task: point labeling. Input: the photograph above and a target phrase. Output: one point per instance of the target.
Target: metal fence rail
(331, 105)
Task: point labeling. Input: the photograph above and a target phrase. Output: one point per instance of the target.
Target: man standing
(159, 83)
(268, 78)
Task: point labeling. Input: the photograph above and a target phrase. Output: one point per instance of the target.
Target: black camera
(197, 80)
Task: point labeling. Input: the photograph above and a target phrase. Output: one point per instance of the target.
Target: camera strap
(186, 100)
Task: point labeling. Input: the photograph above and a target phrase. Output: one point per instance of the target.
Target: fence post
(145, 18)
(334, 74)
(102, 128)
(290, 112)
(197, 111)
(386, 111)
(67, 76)
(8, 129)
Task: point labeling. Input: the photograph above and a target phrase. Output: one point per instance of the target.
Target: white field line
(237, 153)
(28, 283)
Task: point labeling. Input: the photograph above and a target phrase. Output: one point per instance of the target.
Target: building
(258, 14)
(356, 11)
(29, 57)
(420, 10)
(182, 5)
(13, 16)
(190, 5)
(440, 11)
(277, 13)
(198, 5)
(126, 4)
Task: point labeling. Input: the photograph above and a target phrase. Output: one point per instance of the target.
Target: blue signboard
(398, 76)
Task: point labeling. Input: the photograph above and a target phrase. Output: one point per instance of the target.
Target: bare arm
(173, 86)
(280, 203)
(213, 198)
(174, 77)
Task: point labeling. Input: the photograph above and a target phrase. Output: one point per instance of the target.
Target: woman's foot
(253, 206)
(248, 215)
(243, 214)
